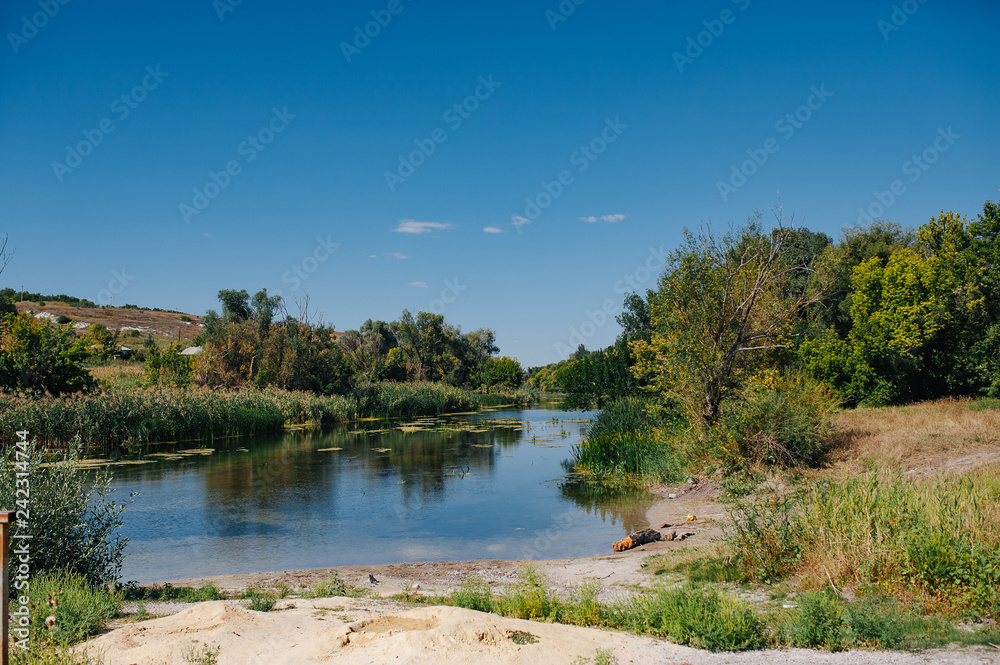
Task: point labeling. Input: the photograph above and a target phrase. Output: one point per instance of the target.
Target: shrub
(259, 601)
(624, 415)
(765, 535)
(74, 526)
(529, 597)
(694, 616)
(819, 622)
(876, 623)
(79, 608)
(473, 594)
(63, 319)
(329, 588)
(781, 419)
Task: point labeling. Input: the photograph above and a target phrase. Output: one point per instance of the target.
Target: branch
(761, 348)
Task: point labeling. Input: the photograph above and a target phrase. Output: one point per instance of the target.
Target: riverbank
(383, 622)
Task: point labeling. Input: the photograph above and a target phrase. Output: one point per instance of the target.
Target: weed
(206, 655)
(601, 657)
(66, 608)
(473, 594)
(819, 622)
(521, 637)
(259, 600)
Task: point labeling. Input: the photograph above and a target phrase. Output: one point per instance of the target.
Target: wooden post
(6, 517)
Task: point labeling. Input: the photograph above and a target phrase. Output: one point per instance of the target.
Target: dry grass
(118, 374)
(919, 439)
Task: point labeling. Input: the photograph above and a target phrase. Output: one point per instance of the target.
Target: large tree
(723, 304)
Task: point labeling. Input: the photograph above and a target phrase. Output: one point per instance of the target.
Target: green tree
(39, 358)
(723, 306)
(503, 372)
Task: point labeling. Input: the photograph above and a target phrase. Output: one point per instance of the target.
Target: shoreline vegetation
(131, 416)
(844, 398)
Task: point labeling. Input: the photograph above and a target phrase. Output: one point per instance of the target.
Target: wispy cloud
(416, 228)
(398, 255)
(617, 217)
(372, 256)
(519, 221)
(419, 285)
(492, 229)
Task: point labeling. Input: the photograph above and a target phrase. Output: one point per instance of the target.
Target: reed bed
(129, 416)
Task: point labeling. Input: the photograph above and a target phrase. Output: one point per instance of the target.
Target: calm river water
(487, 485)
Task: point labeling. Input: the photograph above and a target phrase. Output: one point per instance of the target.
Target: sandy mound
(327, 630)
(342, 630)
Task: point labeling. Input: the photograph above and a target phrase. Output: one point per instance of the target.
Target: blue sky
(618, 121)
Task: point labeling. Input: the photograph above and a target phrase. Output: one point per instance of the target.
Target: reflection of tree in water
(625, 507)
(252, 478)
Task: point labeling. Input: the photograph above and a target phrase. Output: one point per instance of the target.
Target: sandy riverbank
(377, 629)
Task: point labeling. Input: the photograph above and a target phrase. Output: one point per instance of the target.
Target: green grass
(696, 616)
(168, 592)
(259, 600)
(66, 608)
(933, 540)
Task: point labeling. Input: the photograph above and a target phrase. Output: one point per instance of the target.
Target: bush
(63, 319)
(765, 535)
(876, 623)
(819, 622)
(329, 588)
(474, 594)
(781, 419)
(79, 608)
(259, 601)
(625, 415)
(73, 524)
(697, 617)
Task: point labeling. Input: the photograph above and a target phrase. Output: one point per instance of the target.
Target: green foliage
(504, 372)
(68, 608)
(765, 535)
(40, 359)
(629, 414)
(63, 320)
(17, 296)
(205, 655)
(601, 657)
(259, 600)
(599, 378)
(331, 587)
(819, 622)
(778, 419)
(473, 594)
(724, 307)
(74, 525)
(694, 616)
(168, 592)
(168, 367)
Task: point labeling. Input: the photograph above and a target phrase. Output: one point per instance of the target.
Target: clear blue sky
(668, 129)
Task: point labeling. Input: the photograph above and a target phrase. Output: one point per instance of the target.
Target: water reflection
(487, 485)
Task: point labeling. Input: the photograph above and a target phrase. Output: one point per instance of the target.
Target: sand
(381, 630)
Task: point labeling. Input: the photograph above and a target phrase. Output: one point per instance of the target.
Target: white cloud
(419, 285)
(372, 256)
(492, 229)
(416, 228)
(398, 255)
(611, 219)
(519, 221)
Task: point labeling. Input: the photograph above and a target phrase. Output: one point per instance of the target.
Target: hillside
(159, 324)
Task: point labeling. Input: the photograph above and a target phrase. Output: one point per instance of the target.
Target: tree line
(886, 315)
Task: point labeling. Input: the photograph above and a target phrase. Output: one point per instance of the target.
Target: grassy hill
(136, 323)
